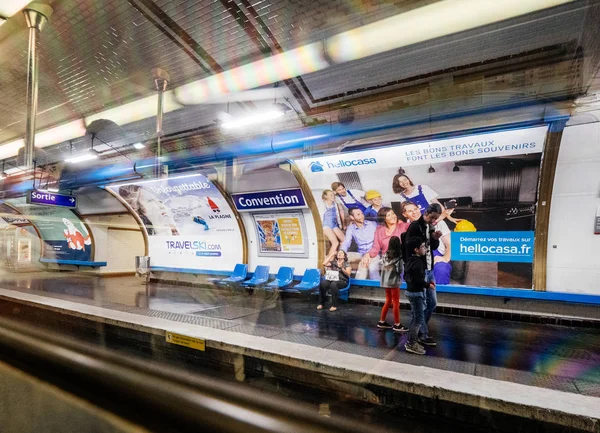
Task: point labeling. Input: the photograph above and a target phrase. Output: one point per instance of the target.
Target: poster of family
(485, 184)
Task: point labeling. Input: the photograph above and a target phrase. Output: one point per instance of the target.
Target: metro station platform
(548, 373)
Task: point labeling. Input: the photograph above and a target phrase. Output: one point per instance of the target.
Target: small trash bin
(142, 266)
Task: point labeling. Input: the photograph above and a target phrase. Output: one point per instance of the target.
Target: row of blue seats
(283, 281)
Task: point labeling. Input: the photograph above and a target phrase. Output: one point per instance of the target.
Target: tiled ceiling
(99, 53)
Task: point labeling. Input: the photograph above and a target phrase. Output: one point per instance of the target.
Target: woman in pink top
(389, 226)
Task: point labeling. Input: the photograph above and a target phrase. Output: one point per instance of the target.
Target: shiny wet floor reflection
(561, 358)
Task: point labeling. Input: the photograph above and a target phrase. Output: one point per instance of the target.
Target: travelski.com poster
(189, 223)
(487, 183)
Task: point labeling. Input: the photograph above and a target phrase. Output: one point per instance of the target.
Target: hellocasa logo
(316, 167)
(351, 162)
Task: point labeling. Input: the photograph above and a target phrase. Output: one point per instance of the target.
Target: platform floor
(555, 357)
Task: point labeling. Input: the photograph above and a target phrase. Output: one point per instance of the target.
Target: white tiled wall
(573, 249)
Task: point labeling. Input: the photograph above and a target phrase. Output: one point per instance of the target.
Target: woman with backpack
(391, 270)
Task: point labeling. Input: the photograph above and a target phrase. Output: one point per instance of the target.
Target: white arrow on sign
(72, 199)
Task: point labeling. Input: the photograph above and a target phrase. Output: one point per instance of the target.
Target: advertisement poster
(189, 223)
(486, 185)
(280, 234)
(24, 251)
(64, 234)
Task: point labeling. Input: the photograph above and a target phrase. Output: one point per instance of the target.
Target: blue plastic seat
(310, 281)
(261, 276)
(237, 276)
(345, 292)
(284, 278)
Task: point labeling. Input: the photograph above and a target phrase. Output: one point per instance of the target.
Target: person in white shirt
(420, 195)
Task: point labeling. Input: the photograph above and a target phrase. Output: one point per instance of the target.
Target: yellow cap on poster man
(371, 194)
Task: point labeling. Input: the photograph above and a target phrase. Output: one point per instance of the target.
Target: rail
(157, 396)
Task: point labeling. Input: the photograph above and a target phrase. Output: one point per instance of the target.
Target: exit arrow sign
(46, 198)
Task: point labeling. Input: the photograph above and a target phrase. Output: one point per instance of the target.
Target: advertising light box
(486, 185)
(189, 223)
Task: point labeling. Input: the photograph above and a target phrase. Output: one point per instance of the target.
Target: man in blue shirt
(363, 233)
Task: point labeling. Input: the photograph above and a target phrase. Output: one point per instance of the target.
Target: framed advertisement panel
(486, 185)
(281, 234)
(190, 225)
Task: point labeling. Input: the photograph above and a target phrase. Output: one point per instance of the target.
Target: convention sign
(65, 236)
(269, 200)
(189, 223)
(486, 185)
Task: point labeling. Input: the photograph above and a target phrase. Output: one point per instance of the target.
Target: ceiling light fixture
(456, 167)
(432, 21)
(241, 122)
(11, 149)
(299, 61)
(431, 169)
(139, 146)
(11, 7)
(82, 158)
(58, 134)
(137, 110)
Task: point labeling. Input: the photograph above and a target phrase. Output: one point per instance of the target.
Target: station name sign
(46, 198)
(269, 200)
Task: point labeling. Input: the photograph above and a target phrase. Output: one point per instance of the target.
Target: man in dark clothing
(414, 274)
(424, 230)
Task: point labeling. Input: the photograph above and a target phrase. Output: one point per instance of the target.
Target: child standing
(414, 273)
(391, 269)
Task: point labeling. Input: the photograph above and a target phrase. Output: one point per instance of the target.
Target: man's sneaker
(415, 348)
(399, 328)
(428, 341)
(384, 325)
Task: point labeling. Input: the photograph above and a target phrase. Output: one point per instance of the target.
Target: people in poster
(332, 222)
(154, 214)
(361, 232)
(421, 195)
(376, 203)
(350, 198)
(390, 226)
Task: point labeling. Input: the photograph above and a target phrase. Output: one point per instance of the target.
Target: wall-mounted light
(456, 167)
(431, 169)
(139, 146)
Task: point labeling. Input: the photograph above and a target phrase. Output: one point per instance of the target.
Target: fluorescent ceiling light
(11, 149)
(48, 190)
(303, 60)
(58, 134)
(10, 7)
(137, 110)
(82, 158)
(252, 119)
(139, 146)
(435, 20)
(14, 170)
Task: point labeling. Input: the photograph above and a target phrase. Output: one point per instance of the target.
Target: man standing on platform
(424, 229)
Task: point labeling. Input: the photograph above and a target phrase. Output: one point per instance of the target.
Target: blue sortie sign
(278, 199)
(51, 199)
